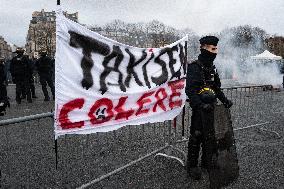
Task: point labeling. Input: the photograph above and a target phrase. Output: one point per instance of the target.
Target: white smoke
(235, 63)
(261, 72)
(249, 71)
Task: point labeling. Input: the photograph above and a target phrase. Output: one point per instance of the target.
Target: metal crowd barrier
(27, 144)
(250, 111)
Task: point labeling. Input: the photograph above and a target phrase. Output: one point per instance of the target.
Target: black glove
(207, 107)
(14, 80)
(228, 104)
(3, 105)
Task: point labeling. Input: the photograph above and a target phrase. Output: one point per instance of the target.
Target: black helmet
(20, 50)
(209, 40)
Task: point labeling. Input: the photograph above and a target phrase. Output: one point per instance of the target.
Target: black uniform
(283, 82)
(31, 81)
(44, 66)
(203, 87)
(21, 72)
(2, 74)
(4, 102)
(32, 84)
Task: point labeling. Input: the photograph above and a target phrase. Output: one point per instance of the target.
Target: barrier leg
(278, 136)
(168, 154)
(56, 153)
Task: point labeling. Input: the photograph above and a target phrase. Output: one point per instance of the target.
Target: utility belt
(207, 95)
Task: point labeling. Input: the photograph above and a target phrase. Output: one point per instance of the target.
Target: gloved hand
(228, 104)
(14, 80)
(207, 107)
(3, 105)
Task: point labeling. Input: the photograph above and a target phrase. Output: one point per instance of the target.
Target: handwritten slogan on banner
(102, 85)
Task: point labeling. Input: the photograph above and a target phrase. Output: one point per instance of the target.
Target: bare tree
(45, 37)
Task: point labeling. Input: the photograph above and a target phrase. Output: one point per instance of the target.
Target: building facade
(41, 33)
(137, 38)
(123, 36)
(5, 49)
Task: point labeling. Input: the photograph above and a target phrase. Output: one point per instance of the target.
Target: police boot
(204, 164)
(29, 97)
(204, 159)
(18, 100)
(29, 100)
(194, 173)
(33, 91)
(209, 151)
(23, 94)
(193, 154)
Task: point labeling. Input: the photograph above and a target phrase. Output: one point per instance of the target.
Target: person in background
(203, 87)
(21, 72)
(4, 100)
(32, 82)
(44, 67)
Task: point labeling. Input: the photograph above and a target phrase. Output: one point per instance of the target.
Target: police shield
(226, 168)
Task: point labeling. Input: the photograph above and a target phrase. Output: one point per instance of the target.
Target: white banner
(102, 85)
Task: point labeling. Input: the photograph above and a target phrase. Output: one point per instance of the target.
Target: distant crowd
(22, 71)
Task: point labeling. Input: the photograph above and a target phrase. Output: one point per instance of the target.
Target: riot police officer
(203, 87)
(44, 66)
(21, 72)
(32, 81)
(4, 101)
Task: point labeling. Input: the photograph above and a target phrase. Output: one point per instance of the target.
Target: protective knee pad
(209, 144)
(210, 137)
(195, 138)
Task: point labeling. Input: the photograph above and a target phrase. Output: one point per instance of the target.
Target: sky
(201, 16)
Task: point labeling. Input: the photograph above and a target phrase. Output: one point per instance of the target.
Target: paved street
(28, 160)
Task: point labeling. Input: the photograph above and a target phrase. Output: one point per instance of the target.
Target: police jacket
(20, 68)
(44, 65)
(199, 78)
(2, 74)
(3, 90)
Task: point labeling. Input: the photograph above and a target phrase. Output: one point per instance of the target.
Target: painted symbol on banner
(100, 113)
